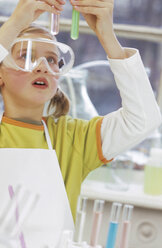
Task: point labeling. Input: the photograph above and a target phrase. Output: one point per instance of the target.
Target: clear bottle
(74, 85)
(153, 173)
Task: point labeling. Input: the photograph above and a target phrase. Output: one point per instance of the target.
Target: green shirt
(77, 144)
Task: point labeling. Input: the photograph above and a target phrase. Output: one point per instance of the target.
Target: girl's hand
(99, 16)
(28, 11)
(97, 13)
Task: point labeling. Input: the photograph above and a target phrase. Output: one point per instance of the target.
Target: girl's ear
(1, 81)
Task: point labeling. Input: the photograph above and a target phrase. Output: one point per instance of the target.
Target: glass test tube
(80, 219)
(96, 221)
(75, 24)
(55, 19)
(66, 239)
(21, 236)
(113, 225)
(126, 224)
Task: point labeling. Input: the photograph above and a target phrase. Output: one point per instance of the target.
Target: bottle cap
(115, 212)
(156, 152)
(98, 205)
(82, 203)
(155, 157)
(127, 212)
(67, 237)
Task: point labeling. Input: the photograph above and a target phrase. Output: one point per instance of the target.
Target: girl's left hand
(97, 13)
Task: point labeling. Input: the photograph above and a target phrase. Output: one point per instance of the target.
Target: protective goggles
(26, 54)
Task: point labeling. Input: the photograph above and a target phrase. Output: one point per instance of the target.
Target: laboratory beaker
(74, 85)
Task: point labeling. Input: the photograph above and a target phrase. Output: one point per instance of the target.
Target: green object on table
(153, 180)
(75, 24)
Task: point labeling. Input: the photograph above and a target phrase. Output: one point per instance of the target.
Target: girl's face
(28, 88)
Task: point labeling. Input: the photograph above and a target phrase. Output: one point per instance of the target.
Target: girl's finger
(93, 11)
(92, 4)
(89, 3)
(75, 3)
(59, 1)
(58, 4)
(40, 5)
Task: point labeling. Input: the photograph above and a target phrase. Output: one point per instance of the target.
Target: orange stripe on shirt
(99, 145)
(21, 124)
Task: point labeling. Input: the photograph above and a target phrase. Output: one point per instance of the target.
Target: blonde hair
(59, 104)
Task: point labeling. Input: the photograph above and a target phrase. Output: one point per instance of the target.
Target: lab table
(146, 228)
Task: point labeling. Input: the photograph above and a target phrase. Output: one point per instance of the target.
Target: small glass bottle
(153, 173)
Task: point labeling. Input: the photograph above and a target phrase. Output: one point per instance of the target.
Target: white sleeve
(139, 115)
(3, 53)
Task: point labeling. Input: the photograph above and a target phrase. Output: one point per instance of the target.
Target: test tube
(75, 24)
(113, 225)
(66, 239)
(126, 224)
(80, 219)
(21, 236)
(55, 19)
(96, 221)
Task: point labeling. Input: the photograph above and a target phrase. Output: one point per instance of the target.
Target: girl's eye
(22, 56)
(52, 60)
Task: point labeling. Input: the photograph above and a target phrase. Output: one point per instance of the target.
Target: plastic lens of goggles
(27, 54)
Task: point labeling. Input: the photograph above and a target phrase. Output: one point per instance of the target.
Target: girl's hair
(59, 104)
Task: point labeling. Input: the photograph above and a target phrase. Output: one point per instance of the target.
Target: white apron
(38, 170)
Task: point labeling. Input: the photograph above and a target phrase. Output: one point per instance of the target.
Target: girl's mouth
(40, 83)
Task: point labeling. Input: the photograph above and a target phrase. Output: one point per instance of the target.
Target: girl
(81, 146)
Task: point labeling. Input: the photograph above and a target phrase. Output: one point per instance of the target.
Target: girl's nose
(41, 67)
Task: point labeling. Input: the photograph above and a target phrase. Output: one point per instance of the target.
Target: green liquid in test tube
(75, 24)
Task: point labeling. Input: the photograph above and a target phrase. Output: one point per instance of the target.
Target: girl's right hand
(28, 11)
